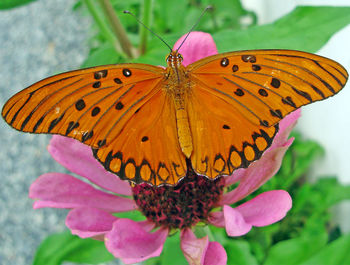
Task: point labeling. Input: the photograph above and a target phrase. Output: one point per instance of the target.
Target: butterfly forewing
(266, 85)
(84, 104)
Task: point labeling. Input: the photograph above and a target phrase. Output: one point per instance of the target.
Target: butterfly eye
(168, 58)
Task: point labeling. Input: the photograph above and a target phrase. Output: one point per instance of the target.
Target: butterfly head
(174, 59)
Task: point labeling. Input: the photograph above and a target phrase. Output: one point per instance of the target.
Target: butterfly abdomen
(183, 127)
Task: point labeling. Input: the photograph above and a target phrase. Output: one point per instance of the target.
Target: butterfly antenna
(195, 25)
(128, 12)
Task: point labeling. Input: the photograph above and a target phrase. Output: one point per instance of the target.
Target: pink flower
(166, 208)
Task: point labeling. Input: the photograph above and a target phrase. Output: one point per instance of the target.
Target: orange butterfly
(149, 124)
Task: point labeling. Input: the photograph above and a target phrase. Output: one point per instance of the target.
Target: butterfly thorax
(177, 86)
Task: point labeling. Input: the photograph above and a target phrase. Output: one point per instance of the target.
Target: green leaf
(133, 215)
(89, 251)
(7, 4)
(305, 153)
(171, 254)
(58, 248)
(317, 198)
(239, 253)
(305, 28)
(332, 191)
(105, 54)
(157, 51)
(335, 253)
(296, 250)
(167, 9)
(228, 14)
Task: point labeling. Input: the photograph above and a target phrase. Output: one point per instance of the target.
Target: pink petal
(78, 158)
(89, 222)
(59, 190)
(201, 251)
(285, 127)
(131, 243)
(237, 175)
(147, 225)
(194, 249)
(267, 166)
(217, 219)
(235, 223)
(198, 45)
(266, 208)
(215, 255)
(257, 174)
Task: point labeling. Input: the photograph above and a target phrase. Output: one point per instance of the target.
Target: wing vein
(330, 88)
(271, 90)
(311, 85)
(229, 96)
(43, 101)
(136, 102)
(233, 82)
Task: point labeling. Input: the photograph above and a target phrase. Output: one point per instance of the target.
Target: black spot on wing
(119, 106)
(55, 122)
(101, 143)
(256, 67)
(118, 81)
(71, 126)
(235, 68)
(303, 94)
(95, 111)
(275, 83)
(224, 62)
(80, 104)
(277, 113)
(288, 101)
(38, 123)
(100, 74)
(86, 136)
(96, 84)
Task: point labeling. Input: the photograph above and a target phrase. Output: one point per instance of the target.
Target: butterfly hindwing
(223, 138)
(150, 151)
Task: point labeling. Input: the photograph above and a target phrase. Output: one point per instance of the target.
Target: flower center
(180, 206)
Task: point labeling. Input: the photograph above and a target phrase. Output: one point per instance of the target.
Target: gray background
(36, 41)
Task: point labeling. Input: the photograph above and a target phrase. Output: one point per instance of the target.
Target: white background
(327, 122)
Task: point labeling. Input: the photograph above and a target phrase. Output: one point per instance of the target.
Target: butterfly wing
(223, 138)
(104, 107)
(244, 95)
(153, 152)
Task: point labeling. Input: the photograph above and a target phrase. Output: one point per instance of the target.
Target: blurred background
(48, 37)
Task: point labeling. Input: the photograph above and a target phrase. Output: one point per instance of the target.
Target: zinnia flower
(167, 209)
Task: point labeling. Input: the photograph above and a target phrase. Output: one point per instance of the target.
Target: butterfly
(150, 124)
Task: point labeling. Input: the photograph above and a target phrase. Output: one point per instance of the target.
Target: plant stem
(209, 233)
(117, 28)
(201, 231)
(146, 19)
(90, 4)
